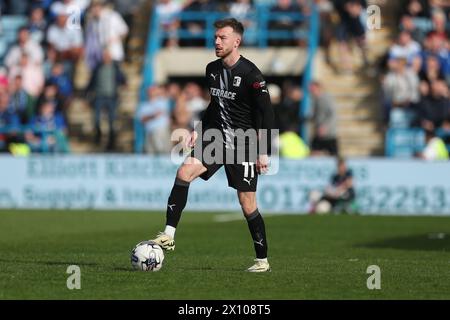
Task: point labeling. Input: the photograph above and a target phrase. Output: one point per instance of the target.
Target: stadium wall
(134, 182)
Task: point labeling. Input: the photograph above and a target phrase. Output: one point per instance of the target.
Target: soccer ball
(147, 256)
(323, 207)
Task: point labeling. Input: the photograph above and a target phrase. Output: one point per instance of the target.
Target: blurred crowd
(37, 72)
(173, 106)
(243, 10)
(417, 79)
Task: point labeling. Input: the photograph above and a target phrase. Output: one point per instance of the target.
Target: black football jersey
(239, 98)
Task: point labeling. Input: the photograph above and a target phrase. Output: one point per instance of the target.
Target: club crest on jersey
(237, 81)
(258, 85)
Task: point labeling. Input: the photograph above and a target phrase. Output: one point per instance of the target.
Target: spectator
(435, 46)
(104, 85)
(21, 103)
(415, 17)
(195, 102)
(408, 24)
(275, 98)
(324, 122)
(400, 86)
(67, 41)
(32, 75)
(351, 27)
(432, 70)
(105, 30)
(61, 79)
(127, 10)
(289, 110)
(434, 109)
(3, 79)
(50, 60)
(195, 27)
(173, 92)
(51, 94)
(25, 45)
(242, 10)
(168, 11)
(338, 195)
(435, 148)
(416, 8)
(440, 24)
(284, 22)
(48, 131)
(407, 48)
(155, 115)
(70, 6)
(292, 145)
(37, 25)
(9, 121)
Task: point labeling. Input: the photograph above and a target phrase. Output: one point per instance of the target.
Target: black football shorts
(239, 163)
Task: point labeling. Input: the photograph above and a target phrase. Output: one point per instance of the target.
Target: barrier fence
(138, 182)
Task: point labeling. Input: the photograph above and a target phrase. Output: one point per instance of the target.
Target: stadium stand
(294, 42)
(416, 85)
(280, 49)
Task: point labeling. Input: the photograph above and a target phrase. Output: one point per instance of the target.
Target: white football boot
(260, 266)
(165, 241)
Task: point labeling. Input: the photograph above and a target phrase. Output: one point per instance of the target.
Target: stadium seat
(403, 142)
(400, 118)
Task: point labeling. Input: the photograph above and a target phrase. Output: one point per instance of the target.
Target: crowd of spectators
(344, 22)
(37, 72)
(416, 83)
(174, 106)
(244, 10)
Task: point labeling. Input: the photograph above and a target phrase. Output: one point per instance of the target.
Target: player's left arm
(265, 119)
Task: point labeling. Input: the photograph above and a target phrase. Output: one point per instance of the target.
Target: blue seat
(13, 23)
(404, 142)
(400, 118)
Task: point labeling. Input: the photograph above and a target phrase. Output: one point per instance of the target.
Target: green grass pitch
(312, 257)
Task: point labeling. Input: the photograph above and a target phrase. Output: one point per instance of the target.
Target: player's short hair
(237, 26)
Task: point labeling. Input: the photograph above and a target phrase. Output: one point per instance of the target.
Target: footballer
(239, 100)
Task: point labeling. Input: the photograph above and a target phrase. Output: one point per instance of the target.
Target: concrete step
(359, 152)
(356, 93)
(357, 130)
(346, 118)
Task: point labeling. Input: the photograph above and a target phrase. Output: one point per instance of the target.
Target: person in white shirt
(66, 40)
(406, 47)
(110, 29)
(72, 6)
(24, 45)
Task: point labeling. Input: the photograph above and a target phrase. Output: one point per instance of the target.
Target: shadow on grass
(422, 242)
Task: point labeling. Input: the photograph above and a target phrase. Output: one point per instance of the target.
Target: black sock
(258, 230)
(177, 202)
